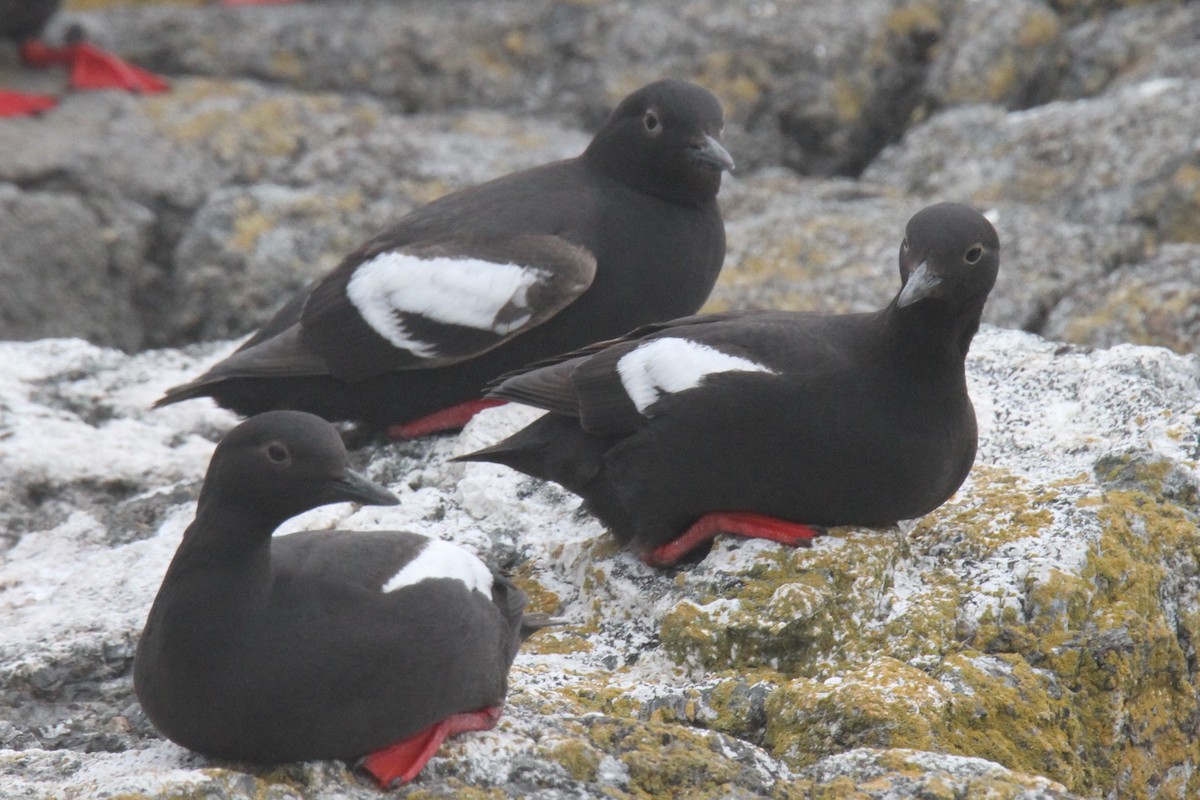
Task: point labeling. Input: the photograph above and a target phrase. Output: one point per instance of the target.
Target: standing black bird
(22, 21)
(483, 281)
(765, 424)
(320, 644)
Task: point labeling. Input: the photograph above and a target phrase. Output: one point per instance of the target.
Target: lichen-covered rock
(1124, 157)
(1032, 638)
(1153, 302)
(1131, 46)
(999, 52)
(904, 774)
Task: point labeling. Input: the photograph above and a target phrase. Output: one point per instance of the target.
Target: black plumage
(316, 644)
(625, 234)
(810, 419)
(24, 19)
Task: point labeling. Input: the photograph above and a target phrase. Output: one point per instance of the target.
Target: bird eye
(974, 254)
(651, 123)
(277, 452)
(904, 244)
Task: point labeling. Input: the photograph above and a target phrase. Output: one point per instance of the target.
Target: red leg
(448, 419)
(93, 68)
(400, 762)
(15, 104)
(755, 526)
(36, 53)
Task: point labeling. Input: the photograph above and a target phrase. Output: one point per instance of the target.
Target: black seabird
(771, 424)
(409, 329)
(320, 644)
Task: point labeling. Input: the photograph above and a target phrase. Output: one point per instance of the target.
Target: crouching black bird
(409, 329)
(22, 21)
(768, 424)
(320, 644)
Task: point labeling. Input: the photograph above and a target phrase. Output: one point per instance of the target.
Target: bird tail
(552, 448)
(185, 391)
(532, 623)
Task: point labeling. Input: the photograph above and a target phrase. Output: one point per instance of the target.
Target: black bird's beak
(921, 283)
(354, 488)
(712, 154)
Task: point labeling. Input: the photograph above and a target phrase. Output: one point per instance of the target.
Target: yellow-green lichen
(672, 761)
(792, 611)
(455, 789)
(578, 758)
(886, 703)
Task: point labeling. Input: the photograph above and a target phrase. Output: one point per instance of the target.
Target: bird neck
(932, 334)
(228, 540)
(212, 596)
(691, 187)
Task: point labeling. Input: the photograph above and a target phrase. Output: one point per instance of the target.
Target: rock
(1131, 46)
(1153, 302)
(902, 774)
(65, 271)
(1029, 639)
(1000, 53)
(1125, 157)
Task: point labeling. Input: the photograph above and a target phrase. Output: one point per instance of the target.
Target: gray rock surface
(1153, 302)
(1029, 639)
(1125, 157)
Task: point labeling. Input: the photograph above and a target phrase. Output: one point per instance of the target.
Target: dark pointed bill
(712, 153)
(921, 283)
(354, 488)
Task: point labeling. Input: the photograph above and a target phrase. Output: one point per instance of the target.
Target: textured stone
(1125, 157)
(998, 52)
(1153, 302)
(65, 271)
(1154, 40)
(1029, 639)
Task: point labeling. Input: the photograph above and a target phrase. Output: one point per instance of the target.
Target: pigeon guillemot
(483, 281)
(771, 424)
(320, 644)
(22, 21)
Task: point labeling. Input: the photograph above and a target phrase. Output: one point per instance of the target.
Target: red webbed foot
(402, 761)
(754, 526)
(92, 68)
(16, 104)
(448, 419)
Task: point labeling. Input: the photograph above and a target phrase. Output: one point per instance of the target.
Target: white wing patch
(439, 559)
(665, 366)
(456, 291)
